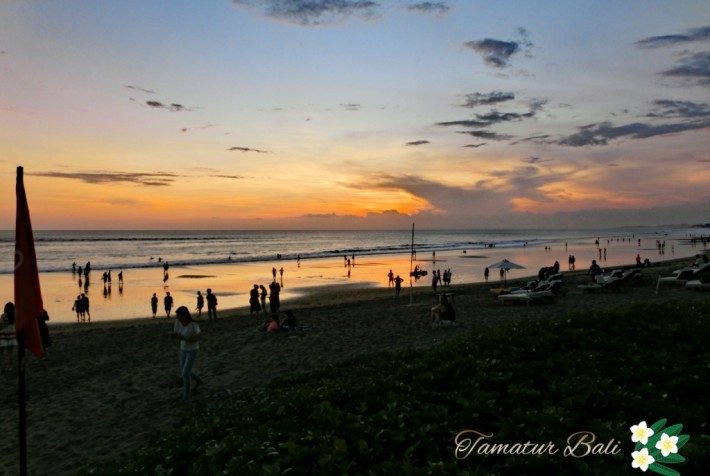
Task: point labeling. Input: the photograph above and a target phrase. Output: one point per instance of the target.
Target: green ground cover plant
(549, 382)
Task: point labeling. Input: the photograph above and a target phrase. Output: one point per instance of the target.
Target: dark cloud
(668, 108)
(491, 118)
(487, 135)
(143, 90)
(539, 139)
(495, 117)
(312, 12)
(199, 128)
(418, 142)
(156, 179)
(487, 99)
(236, 177)
(602, 133)
(694, 67)
(429, 7)
(692, 35)
(170, 107)
(495, 53)
(536, 160)
(465, 123)
(247, 149)
(475, 146)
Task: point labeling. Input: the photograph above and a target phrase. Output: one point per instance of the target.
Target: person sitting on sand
(443, 314)
(274, 324)
(289, 322)
(594, 270)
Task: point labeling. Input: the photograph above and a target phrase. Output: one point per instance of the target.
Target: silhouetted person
(154, 305)
(168, 303)
(211, 305)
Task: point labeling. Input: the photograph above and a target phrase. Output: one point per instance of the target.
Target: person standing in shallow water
(187, 331)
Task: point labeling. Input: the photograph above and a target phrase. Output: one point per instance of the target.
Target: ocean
(230, 262)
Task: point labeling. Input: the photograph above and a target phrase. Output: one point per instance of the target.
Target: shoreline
(232, 282)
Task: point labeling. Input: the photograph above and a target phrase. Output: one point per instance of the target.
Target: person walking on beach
(84, 304)
(274, 300)
(154, 304)
(263, 297)
(200, 303)
(187, 331)
(211, 305)
(397, 285)
(390, 276)
(77, 308)
(254, 306)
(168, 304)
(486, 273)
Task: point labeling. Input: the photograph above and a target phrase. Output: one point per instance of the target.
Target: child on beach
(187, 331)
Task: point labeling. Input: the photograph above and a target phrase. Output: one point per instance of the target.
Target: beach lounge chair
(603, 282)
(527, 296)
(697, 285)
(682, 276)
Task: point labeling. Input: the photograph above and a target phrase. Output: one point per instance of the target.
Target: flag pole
(411, 258)
(22, 401)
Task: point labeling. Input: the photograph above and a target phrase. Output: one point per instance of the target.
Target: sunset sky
(263, 114)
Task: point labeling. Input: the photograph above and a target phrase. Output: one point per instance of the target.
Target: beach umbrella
(505, 265)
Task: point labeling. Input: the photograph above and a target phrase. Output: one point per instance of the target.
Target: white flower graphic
(641, 433)
(667, 444)
(642, 459)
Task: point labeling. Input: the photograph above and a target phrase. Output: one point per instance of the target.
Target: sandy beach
(112, 387)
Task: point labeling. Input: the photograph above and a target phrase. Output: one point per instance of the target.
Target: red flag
(28, 295)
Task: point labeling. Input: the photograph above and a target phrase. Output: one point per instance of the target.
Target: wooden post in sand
(411, 257)
(21, 394)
